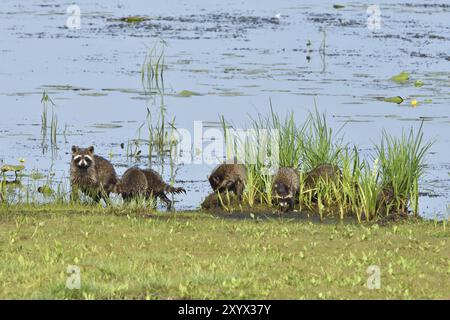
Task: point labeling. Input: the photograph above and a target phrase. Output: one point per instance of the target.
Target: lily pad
(187, 93)
(396, 99)
(134, 19)
(418, 83)
(401, 77)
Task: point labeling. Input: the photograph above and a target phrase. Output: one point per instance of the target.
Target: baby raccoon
(156, 187)
(132, 184)
(92, 174)
(228, 177)
(323, 171)
(286, 187)
(145, 182)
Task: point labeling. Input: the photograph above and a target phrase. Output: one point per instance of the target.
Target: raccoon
(92, 174)
(228, 177)
(390, 205)
(286, 187)
(324, 171)
(132, 184)
(156, 187)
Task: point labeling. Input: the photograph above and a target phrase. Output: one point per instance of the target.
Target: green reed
(402, 162)
(152, 69)
(46, 102)
(321, 145)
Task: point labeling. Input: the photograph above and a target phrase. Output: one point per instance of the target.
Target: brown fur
(389, 205)
(286, 186)
(323, 171)
(213, 203)
(132, 184)
(228, 177)
(97, 178)
(145, 182)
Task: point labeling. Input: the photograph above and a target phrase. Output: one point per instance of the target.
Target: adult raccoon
(228, 177)
(156, 187)
(132, 184)
(286, 187)
(91, 174)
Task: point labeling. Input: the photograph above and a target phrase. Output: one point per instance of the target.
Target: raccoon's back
(155, 183)
(289, 177)
(133, 182)
(231, 171)
(323, 171)
(105, 173)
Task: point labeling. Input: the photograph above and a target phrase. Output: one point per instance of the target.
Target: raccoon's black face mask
(281, 190)
(83, 158)
(281, 193)
(214, 181)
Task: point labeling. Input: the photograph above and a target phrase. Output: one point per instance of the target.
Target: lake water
(236, 55)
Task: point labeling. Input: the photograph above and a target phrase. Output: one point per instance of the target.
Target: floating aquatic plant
(402, 77)
(396, 99)
(134, 19)
(187, 93)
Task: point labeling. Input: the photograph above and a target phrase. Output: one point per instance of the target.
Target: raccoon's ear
(91, 149)
(74, 149)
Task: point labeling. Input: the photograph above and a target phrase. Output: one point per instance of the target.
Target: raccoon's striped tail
(170, 189)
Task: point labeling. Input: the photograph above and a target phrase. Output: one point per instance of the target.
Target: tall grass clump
(402, 162)
(368, 191)
(290, 139)
(346, 191)
(270, 142)
(334, 179)
(321, 145)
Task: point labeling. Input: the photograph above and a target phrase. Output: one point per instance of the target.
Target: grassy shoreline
(192, 255)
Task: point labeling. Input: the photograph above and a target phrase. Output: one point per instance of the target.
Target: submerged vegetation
(45, 127)
(152, 70)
